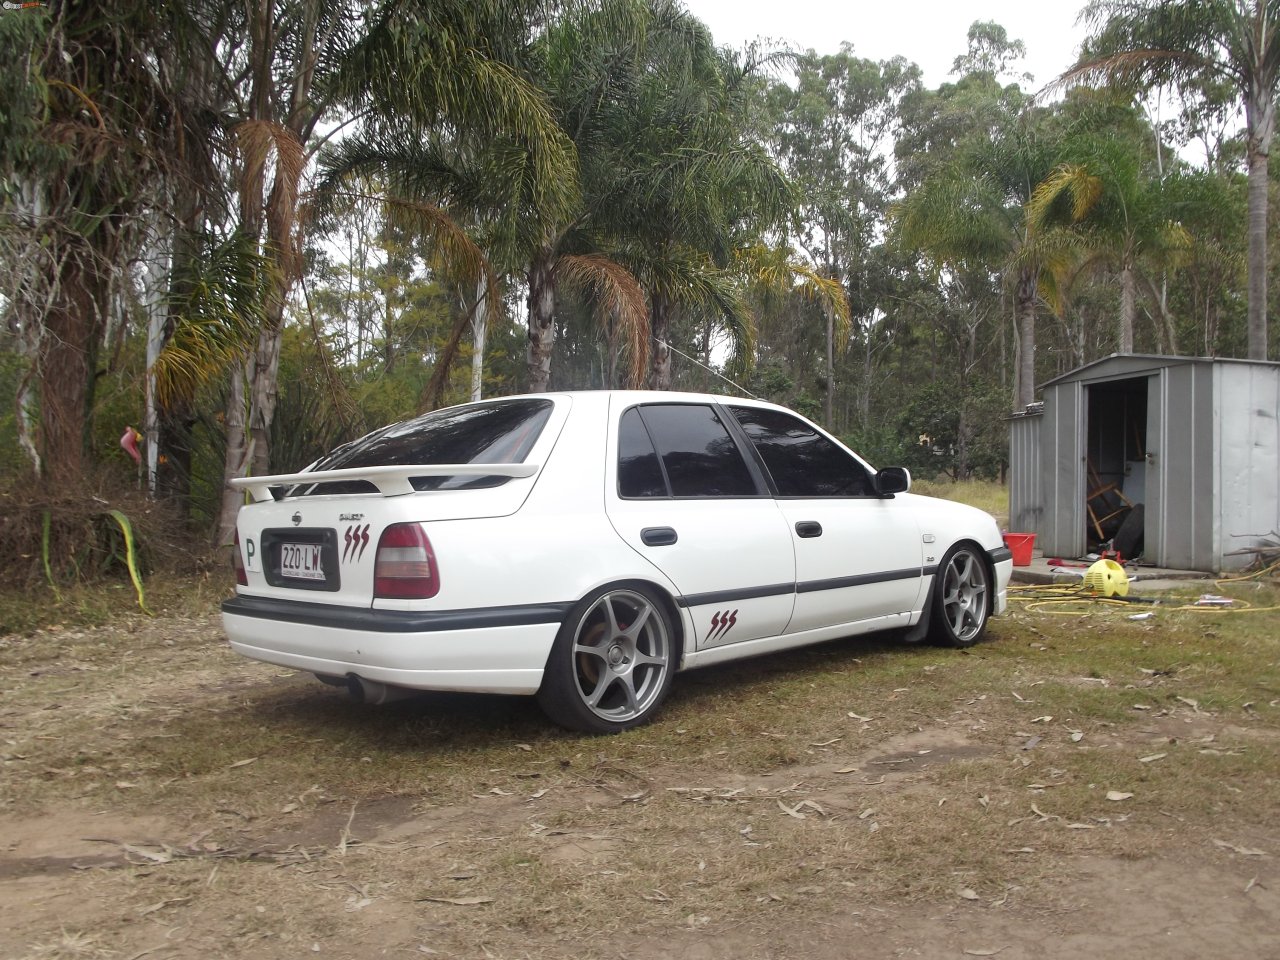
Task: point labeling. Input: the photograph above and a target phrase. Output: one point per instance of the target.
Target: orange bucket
(1020, 545)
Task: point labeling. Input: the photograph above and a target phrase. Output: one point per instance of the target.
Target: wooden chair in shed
(1104, 502)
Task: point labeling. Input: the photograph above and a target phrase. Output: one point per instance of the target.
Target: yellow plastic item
(1106, 577)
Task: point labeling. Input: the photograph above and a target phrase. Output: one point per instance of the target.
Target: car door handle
(658, 536)
(808, 528)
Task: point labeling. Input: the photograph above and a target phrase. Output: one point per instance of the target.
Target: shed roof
(1132, 364)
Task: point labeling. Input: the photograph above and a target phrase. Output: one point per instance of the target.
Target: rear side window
(500, 432)
(698, 456)
(802, 462)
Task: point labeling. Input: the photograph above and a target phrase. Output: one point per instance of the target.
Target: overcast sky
(928, 32)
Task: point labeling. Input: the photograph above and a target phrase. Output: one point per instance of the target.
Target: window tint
(500, 432)
(700, 457)
(802, 462)
(639, 474)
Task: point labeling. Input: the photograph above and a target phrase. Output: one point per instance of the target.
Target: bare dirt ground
(162, 798)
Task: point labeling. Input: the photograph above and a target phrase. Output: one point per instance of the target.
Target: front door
(858, 557)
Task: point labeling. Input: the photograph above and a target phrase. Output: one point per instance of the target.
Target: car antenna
(714, 373)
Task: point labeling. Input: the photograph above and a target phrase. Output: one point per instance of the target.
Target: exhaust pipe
(373, 692)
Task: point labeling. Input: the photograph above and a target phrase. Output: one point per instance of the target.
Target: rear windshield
(500, 432)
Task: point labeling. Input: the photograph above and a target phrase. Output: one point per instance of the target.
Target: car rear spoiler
(392, 481)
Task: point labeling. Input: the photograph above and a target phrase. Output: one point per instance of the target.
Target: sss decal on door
(721, 623)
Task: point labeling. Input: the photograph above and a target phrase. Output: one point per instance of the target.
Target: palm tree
(974, 214)
(696, 185)
(1122, 218)
(1153, 43)
(603, 65)
(435, 64)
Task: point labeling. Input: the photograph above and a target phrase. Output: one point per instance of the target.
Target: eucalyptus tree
(1184, 43)
(833, 133)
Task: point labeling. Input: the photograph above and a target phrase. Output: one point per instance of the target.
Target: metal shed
(1183, 453)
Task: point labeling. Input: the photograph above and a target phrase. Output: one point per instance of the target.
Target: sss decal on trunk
(721, 624)
(356, 539)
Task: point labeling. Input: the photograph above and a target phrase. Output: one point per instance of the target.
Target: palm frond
(618, 298)
(216, 302)
(1076, 182)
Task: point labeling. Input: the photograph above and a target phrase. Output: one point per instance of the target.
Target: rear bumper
(495, 650)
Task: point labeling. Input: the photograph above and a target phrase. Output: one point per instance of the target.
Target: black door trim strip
(811, 586)
(839, 583)
(718, 597)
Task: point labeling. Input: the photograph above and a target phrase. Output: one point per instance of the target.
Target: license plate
(301, 561)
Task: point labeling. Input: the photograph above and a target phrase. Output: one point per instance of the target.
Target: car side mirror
(891, 480)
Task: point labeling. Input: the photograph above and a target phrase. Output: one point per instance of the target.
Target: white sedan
(584, 547)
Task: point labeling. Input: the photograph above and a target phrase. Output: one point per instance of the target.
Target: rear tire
(961, 597)
(612, 661)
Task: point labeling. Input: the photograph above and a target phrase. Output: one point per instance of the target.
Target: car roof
(647, 396)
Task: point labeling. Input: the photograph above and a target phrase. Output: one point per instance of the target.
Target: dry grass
(983, 494)
(780, 789)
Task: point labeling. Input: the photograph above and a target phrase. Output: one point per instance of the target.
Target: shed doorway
(1118, 482)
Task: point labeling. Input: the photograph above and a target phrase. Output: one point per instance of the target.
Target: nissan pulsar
(584, 548)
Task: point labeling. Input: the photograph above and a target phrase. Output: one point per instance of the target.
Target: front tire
(961, 598)
(612, 661)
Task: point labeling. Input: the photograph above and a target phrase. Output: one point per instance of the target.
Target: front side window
(698, 455)
(802, 462)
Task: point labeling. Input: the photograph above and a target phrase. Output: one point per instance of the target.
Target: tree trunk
(1260, 120)
(831, 367)
(263, 391)
(659, 331)
(542, 320)
(159, 269)
(1025, 313)
(73, 323)
(1128, 307)
(279, 215)
(237, 459)
(864, 389)
(479, 328)
(25, 415)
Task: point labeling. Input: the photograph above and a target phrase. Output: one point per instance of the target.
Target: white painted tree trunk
(159, 268)
(479, 328)
(24, 322)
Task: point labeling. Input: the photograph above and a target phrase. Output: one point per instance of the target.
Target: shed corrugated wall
(1062, 470)
(1026, 501)
(1180, 402)
(1247, 411)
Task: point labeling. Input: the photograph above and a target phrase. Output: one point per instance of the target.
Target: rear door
(685, 497)
(858, 557)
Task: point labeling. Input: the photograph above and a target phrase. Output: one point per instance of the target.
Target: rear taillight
(237, 562)
(405, 567)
